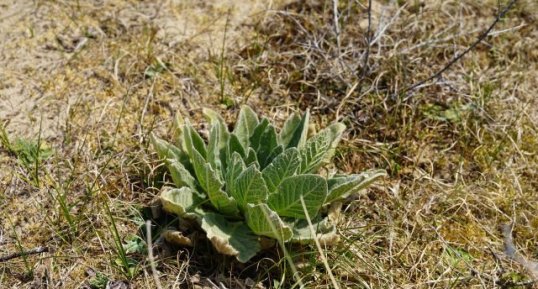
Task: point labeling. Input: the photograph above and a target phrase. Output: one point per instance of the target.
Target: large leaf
(324, 229)
(181, 202)
(267, 146)
(213, 150)
(246, 123)
(336, 130)
(295, 131)
(234, 145)
(216, 119)
(276, 151)
(179, 125)
(257, 136)
(167, 151)
(193, 141)
(164, 149)
(249, 187)
(235, 168)
(230, 238)
(286, 201)
(266, 222)
(264, 140)
(289, 127)
(283, 166)
(180, 175)
(211, 184)
(251, 158)
(320, 148)
(342, 187)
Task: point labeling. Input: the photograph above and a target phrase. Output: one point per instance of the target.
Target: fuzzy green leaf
(324, 229)
(167, 151)
(320, 147)
(216, 119)
(246, 123)
(193, 141)
(286, 201)
(342, 187)
(268, 144)
(235, 167)
(264, 140)
(211, 184)
(283, 166)
(289, 127)
(224, 136)
(295, 131)
(336, 131)
(180, 175)
(249, 187)
(213, 151)
(257, 135)
(181, 202)
(164, 149)
(234, 145)
(251, 158)
(230, 238)
(276, 151)
(265, 222)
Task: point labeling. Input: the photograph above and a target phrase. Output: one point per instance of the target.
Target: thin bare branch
(36, 250)
(459, 56)
(364, 69)
(151, 258)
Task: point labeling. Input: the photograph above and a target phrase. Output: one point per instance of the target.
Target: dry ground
(86, 81)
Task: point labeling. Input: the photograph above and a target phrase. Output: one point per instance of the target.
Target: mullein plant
(255, 182)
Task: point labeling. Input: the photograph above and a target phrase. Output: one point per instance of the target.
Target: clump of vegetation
(255, 183)
(99, 281)
(28, 152)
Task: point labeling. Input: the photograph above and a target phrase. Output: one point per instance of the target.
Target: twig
(337, 34)
(36, 250)
(364, 69)
(222, 52)
(343, 102)
(336, 24)
(459, 56)
(151, 257)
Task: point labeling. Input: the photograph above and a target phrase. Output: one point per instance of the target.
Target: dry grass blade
(318, 246)
(295, 273)
(151, 258)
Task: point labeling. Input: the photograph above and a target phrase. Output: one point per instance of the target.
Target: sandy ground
(25, 64)
(40, 38)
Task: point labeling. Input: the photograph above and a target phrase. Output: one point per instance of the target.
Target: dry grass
(462, 151)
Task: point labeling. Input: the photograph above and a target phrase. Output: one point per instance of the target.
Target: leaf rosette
(245, 185)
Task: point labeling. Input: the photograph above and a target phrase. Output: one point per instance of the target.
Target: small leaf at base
(181, 202)
(233, 239)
